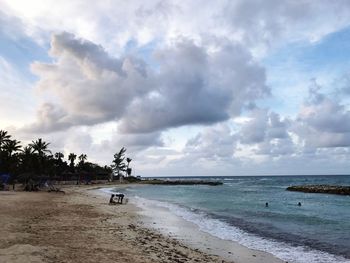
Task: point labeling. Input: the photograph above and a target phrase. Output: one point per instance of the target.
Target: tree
(128, 170)
(36, 162)
(40, 147)
(4, 137)
(82, 165)
(11, 146)
(27, 151)
(71, 158)
(50, 166)
(9, 156)
(59, 164)
(82, 158)
(118, 162)
(59, 156)
(26, 159)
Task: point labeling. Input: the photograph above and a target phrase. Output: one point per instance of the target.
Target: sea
(317, 231)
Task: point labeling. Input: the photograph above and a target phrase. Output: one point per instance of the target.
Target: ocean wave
(106, 190)
(225, 231)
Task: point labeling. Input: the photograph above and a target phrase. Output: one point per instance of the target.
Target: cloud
(107, 23)
(254, 22)
(267, 134)
(263, 125)
(135, 142)
(323, 122)
(209, 151)
(266, 24)
(102, 152)
(87, 84)
(196, 86)
(277, 127)
(190, 85)
(254, 131)
(151, 67)
(11, 26)
(216, 142)
(15, 95)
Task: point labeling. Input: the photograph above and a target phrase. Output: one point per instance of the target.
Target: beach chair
(3, 181)
(52, 188)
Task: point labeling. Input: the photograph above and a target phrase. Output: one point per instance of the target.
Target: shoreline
(214, 236)
(190, 234)
(80, 226)
(163, 221)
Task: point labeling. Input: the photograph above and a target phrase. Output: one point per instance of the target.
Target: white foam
(224, 231)
(107, 190)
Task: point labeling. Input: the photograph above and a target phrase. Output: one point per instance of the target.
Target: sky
(243, 87)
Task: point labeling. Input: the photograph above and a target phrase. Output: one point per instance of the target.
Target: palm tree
(26, 159)
(128, 170)
(59, 156)
(82, 158)
(4, 137)
(27, 151)
(11, 146)
(59, 164)
(40, 147)
(10, 160)
(71, 158)
(118, 162)
(81, 166)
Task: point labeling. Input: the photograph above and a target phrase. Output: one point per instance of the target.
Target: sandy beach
(80, 226)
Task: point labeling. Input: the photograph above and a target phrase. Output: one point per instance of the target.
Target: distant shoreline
(227, 176)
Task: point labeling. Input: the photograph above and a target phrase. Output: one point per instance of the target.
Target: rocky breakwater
(326, 189)
(180, 182)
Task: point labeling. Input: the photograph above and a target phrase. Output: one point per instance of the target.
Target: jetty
(180, 182)
(325, 189)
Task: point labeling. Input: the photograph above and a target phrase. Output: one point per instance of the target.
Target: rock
(326, 189)
(180, 182)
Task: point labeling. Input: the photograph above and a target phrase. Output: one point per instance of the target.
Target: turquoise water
(321, 226)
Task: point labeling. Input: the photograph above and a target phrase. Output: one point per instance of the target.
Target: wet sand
(80, 226)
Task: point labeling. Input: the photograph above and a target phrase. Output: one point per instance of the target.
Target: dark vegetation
(35, 164)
